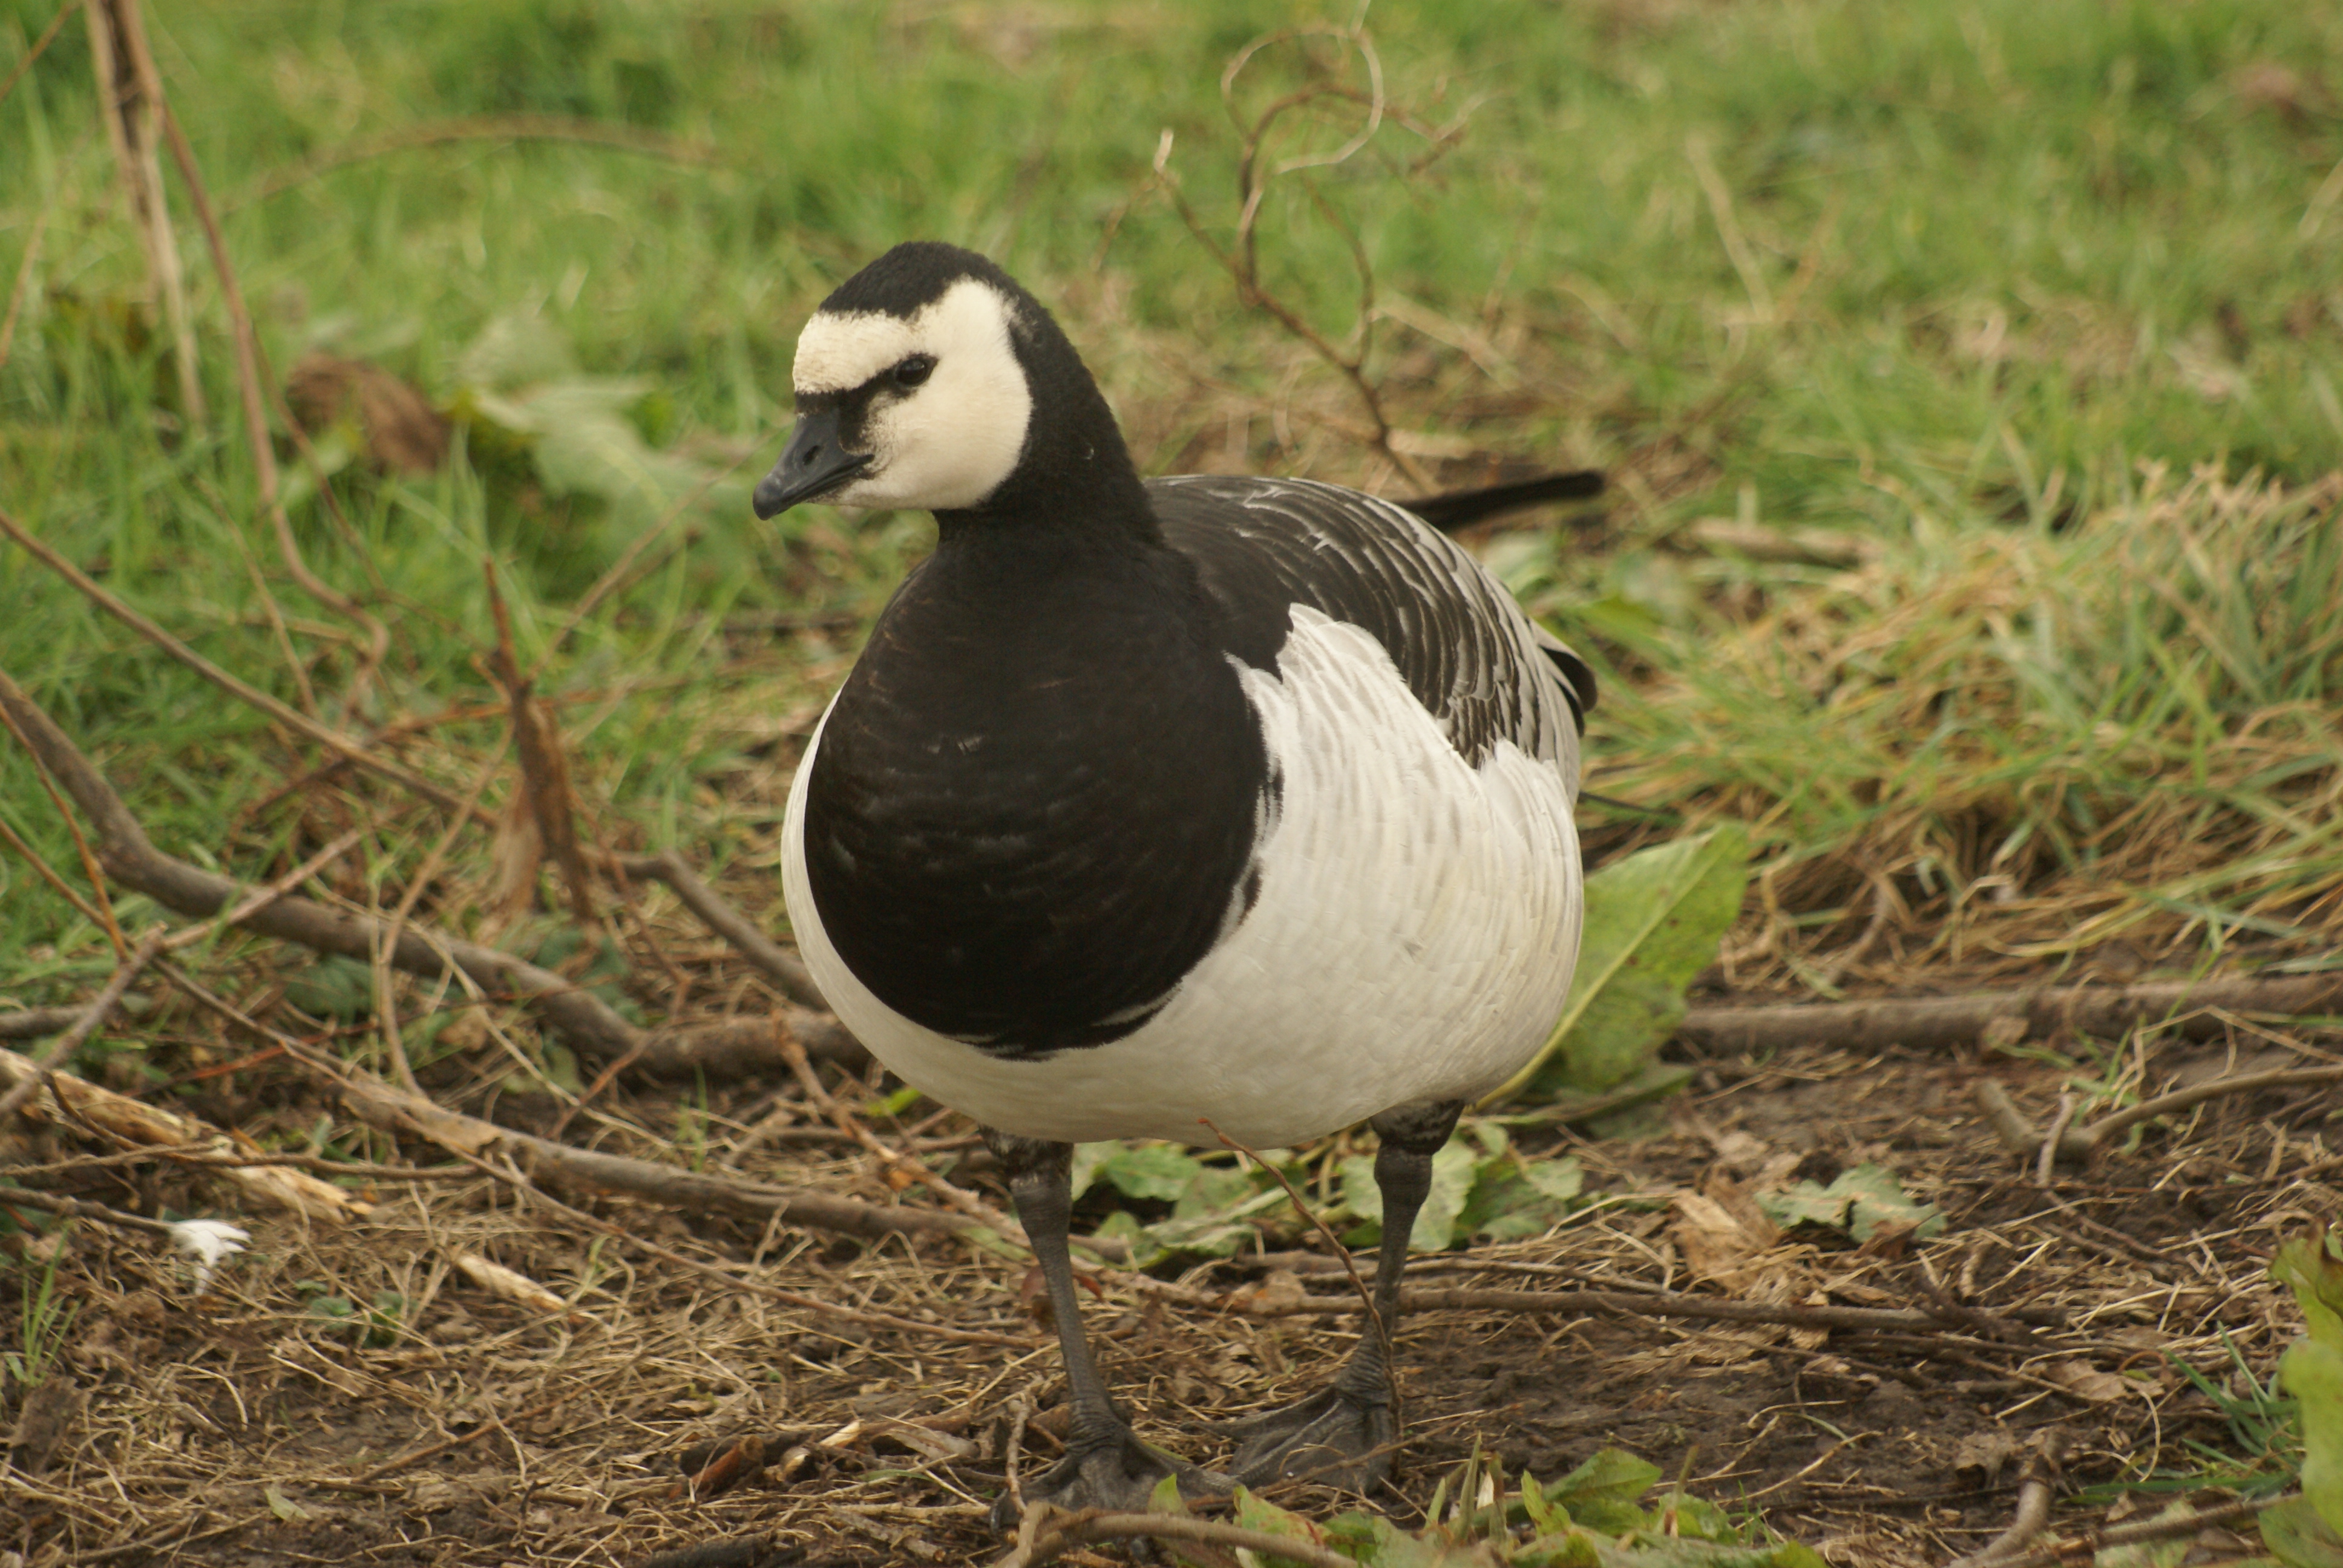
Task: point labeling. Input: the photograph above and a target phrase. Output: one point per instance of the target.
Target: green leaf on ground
(1864, 1200)
(2298, 1537)
(2312, 1368)
(1652, 923)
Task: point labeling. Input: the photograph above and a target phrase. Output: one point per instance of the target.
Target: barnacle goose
(1155, 807)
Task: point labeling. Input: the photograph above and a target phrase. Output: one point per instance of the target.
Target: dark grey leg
(1344, 1434)
(1106, 1465)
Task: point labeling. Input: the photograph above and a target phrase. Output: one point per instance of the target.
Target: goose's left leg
(1344, 1434)
(1106, 1465)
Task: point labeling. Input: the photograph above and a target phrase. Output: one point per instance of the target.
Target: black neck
(1074, 469)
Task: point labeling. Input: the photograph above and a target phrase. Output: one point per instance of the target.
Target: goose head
(930, 379)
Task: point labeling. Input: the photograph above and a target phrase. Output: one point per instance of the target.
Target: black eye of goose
(914, 371)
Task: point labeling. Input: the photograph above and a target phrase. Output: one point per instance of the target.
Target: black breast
(1035, 804)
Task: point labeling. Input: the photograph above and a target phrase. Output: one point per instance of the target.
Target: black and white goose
(1154, 806)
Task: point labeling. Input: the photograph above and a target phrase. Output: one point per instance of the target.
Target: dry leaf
(2084, 1380)
(499, 1281)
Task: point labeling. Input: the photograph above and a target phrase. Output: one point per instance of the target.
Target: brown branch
(260, 897)
(1047, 1532)
(38, 1022)
(1942, 1022)
(2086, 1544)
(1637, 1304)
(91, 1017)
(2039, 1484)
(77, 1208)
(777, 963)
(60, 1096)
(99, 914)
(742, 1048)
(2077, 1144)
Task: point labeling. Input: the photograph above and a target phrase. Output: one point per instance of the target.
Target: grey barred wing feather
(1477, 664)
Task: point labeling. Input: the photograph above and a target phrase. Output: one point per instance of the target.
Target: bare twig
(99, 914)
(741, 1048)
(1638, 1304)
(2058, 1125)
(1240, 259)
(39, 1023)
(78, 1209)
(2077, 1144)
(40, 44)
(1948, 1022)
(2118, 1122)
(2038, 1485)
(260, 897)
(93, 1016)
(2009, 1124)
(1047, 1532)
(128, 1121)
(2083, 1546)
(385, 942)
(1350, 1265)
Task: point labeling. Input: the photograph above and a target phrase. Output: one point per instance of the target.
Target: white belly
(1413, 938)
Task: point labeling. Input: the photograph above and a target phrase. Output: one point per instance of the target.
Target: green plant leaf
(1601, 1493)
(1862, 1201)
(1156, 1171)
(2299, 1537)
(1652, 923)
(2312, 1368)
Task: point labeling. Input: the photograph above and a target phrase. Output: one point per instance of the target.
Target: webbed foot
(1114, 1472)
(1337, 1437)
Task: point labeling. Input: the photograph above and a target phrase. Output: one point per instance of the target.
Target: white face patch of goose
(947, 443)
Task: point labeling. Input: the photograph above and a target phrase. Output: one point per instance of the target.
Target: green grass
(1960, 271)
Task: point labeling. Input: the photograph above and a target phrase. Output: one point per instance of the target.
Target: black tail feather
(1455, 509)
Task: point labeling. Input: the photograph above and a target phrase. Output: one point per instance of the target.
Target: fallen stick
(2039, 1482)
(1942, 1022)
(743, 1047)
(38, 1022)
(2086, 1545)
(1048, 1531)
(2077, 1144)
(1627, 1303)
(91, 1017)
(471, 1140)
(63, 1098)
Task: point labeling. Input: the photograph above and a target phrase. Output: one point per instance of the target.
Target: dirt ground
(349, 1395)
